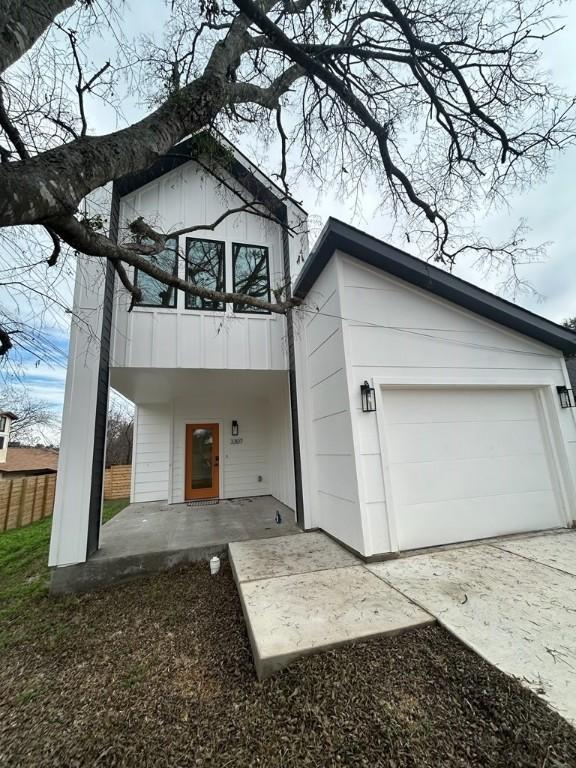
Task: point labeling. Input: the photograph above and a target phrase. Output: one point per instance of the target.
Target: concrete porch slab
(253, 560)
(514, 611)
(156, 536)
(322, 600)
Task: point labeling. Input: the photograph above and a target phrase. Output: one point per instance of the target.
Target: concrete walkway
(512, 601)
(303, 594)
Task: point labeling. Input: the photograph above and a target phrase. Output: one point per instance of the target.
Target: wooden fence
(24, 500)
(117, 481)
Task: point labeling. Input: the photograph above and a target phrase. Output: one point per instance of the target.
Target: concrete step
(305, 594)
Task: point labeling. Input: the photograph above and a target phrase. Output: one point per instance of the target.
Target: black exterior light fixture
(234, 428)
(566, 396)
(368, 397)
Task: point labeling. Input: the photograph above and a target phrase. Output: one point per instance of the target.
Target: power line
(419, 332)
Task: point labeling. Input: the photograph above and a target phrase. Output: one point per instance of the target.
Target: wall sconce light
(234, 428)
(368, 397)
(566, 397)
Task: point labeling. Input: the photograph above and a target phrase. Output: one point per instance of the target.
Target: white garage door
(466, 464)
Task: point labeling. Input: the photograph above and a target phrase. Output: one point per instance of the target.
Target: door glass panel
(202, 441)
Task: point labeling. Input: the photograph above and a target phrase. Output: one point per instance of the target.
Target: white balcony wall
(182, 338)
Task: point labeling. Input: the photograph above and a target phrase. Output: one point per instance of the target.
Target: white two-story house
(398, 407)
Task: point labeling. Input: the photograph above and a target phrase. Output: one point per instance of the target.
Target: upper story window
(206, 268)
(154, 292)
(251, 274)
(2, 423)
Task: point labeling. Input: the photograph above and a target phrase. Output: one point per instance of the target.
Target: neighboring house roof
(30, 460)
(9, 414)
(214, 145)
(337, 235)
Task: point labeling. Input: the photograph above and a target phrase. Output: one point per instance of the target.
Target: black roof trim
(337, 235)
(202, 144)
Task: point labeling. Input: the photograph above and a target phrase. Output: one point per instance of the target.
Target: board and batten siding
(150, 462)
(397, 333)
(330, 463)
(151, 337)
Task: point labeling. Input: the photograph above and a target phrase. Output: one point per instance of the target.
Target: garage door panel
(450, 405)
(410, 442)
(432, 524)
(466, 463)
(419, 482)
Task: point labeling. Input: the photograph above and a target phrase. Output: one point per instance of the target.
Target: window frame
(254, 310)
(174, 304)
(3, 420)
(188, 296)
(2, 441)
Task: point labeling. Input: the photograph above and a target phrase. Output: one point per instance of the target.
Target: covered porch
(223, 434)
(150, 537)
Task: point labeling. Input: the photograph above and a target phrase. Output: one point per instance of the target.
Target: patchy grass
(24, 577)
(112, 508)
(159, 673)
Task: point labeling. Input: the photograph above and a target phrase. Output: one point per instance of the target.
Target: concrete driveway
(512, 601)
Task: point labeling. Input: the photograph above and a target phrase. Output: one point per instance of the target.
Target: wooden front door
(202, 476)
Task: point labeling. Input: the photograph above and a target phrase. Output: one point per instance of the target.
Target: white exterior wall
(434, 342)
(180, 338)
(333, 495)
(5, 433)
(371, 326)
(68, 540)
(280, 448)
(151, 453)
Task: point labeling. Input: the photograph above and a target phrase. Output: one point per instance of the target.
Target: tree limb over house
(443, 103)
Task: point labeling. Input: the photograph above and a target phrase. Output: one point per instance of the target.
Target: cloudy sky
(549, 209)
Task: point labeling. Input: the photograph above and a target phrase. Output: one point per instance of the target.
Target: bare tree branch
(22, 23)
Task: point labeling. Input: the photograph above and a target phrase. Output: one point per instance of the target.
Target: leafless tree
(119, 433)
(443, 102)
(36, 419)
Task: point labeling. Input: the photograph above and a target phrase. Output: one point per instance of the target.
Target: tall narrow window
(251, 274)
(155, 293)
(205, 268)
(2, 423)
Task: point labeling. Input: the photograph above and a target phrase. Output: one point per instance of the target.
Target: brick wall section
(23, 500)
(117, 481)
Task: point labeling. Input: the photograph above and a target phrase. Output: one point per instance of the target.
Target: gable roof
(33, 460)
(221, 151)
(9, 414)
(337, 235)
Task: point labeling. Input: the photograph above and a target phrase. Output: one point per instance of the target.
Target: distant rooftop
(33, 460)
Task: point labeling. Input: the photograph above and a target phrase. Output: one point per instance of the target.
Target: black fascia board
(337, 235)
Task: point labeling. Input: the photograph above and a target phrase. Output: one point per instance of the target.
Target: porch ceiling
(157, 385)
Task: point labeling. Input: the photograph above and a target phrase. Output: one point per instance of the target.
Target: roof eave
(339, 236)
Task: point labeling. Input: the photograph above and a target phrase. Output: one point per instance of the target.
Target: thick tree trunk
(52, 184)
(22, 23)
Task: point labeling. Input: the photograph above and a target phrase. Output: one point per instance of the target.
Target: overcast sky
(549, 208)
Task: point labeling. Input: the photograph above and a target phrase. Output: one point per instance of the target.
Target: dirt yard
(159, 673)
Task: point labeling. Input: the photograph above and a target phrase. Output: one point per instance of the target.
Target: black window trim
(254, 310)
(188, 296)
(174, 289)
